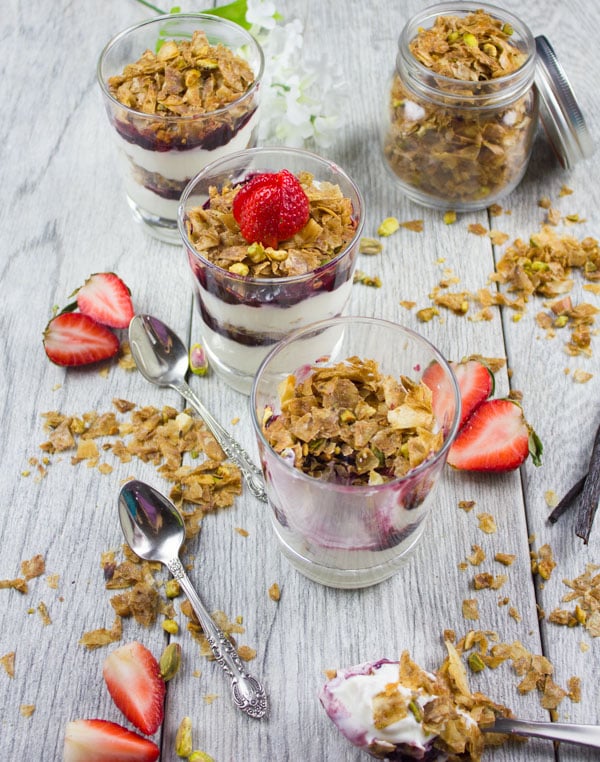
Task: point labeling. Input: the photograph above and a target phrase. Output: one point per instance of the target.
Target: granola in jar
(462, 111)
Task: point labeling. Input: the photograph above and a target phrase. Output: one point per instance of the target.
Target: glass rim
(349, 320)
(525, 72)
(265, 150)
(204, 17)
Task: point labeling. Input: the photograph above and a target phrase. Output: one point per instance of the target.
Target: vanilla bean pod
(567, 500)
(590, 494)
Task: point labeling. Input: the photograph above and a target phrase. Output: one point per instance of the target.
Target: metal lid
(559, 110)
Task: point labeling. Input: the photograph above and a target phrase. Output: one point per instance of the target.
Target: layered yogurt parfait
(272, 237)
(351, 446)
(180, 91)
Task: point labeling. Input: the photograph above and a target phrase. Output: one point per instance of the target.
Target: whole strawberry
(270, 208)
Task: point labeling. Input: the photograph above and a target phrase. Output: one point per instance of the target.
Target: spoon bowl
(154, 530)
(162, 358)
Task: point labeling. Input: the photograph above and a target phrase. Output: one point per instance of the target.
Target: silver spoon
(584, 735)
(161, 357)
(155, 531)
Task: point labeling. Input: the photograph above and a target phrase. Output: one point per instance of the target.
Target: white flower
(300, 101)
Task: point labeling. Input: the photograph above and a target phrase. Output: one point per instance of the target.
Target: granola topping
(185, 78)
(216, 235)
(352, 424)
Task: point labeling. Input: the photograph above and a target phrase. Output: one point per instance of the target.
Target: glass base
(350, 579)
(158, 227)
(241, 382)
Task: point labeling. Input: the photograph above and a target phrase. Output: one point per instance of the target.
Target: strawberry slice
(133, 678)
(271, 207)
(475, 382)
(72, 338)
(106, 299)
(496, 437)
(103, 741)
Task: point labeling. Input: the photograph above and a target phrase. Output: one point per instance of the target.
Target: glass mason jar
(461, 142)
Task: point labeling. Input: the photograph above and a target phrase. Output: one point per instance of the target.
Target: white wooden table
(63, 216)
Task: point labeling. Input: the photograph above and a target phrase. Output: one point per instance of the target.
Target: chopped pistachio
(170, 661)
(416, 710)
(370, 246)
(170, 626)
(239, 268)
(183, 738)
(475, 662)
(449, 217)
(470, 39)
(172, 586)
(388, 226)
(200, 756)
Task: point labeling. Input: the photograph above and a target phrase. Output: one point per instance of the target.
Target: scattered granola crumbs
(43, 612)
(388, 226)
(506, 559)
(8, 662)
(543, 562)
(197, 673)
(466, 505)
(477, 229)
(426, 314)
(415, 225)
(593, 288)
(209, 698)
(370, 246)
(495, 210)
(545, 202)
(478, 555)
(195, 629)
(553, 216)
(574, 689)
(457, 302)
(274, 592)
(408, 305)
(513, 612)
(34, 567)
(102, 636)
(551, 498)
(498, 238)
(487, 523)
(366, 280)
(470, 609)
(487, 581)
(503, 601)
(235, 421)
(565, 191)
(584, 647)
(18, 584)
(242, 532)
(581, 376)
(585, 592)
(246, 653)
(26, 710)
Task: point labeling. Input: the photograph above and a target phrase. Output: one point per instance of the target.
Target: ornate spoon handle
(584, 735)
(231, 448)
(248, 693)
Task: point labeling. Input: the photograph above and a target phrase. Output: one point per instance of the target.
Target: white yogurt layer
(172, 165)
(265, 319)
(356, 695)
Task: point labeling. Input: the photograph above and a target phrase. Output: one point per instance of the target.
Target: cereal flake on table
(8, 663)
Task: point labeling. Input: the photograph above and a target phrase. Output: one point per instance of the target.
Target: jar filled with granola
(462, 109)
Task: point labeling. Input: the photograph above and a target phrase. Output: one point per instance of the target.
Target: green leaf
(235, 12)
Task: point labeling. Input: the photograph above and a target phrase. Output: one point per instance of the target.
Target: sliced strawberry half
(133, 678)
(475, 383)
(496, 437)
(72, 338)
(103, 741)
(271, 207)
(106, 299)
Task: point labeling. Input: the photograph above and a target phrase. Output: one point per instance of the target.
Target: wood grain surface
(63, 215)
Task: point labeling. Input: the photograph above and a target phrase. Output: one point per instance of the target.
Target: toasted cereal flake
(427, 314)
(34, 567)
(415, 225)
(408, 305)
(478, 555)
(26, 710)
(466, 505)
(209, 698)
(477, 229)
(246, 653)
(487, 523)
(593, 288)
(514, 613)
(495, 210)
(470, 609)
(52, 581)
(553, 216)
(581, 376)
(8, 662)
(565, 191)
(102, 636)
(498, 238)
(18, 584)
(274, 592)
(43, 612)
(242, 532)
(551, 498)
(543, 562)
(506, 559)
(574, 689)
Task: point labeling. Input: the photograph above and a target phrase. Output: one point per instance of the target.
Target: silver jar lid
(559, 111)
